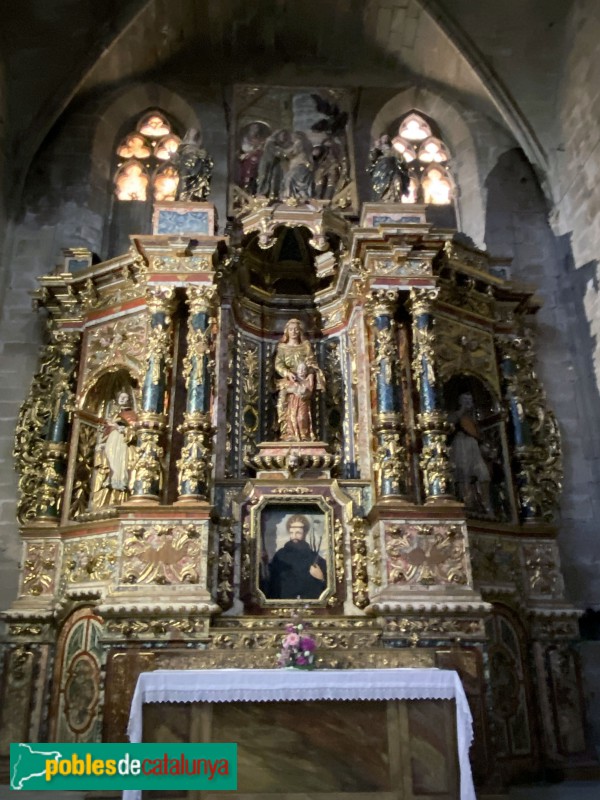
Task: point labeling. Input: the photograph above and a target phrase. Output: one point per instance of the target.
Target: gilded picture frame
(294, 563)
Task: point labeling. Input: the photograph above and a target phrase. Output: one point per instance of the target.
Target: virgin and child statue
(299, 378)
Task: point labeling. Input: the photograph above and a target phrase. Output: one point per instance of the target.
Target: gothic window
(427, 158)
(144, 171)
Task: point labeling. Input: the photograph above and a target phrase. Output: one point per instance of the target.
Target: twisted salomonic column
(431, 421)
(152, 419)
(536, 438)
(198, 369)
(390, 457)
(53, 467)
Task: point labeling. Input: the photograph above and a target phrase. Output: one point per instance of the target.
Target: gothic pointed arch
(423, 107)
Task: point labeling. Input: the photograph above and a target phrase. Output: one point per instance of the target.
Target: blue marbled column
(152, 420)
(524, 454)
(194, 464)
(390, 457)
(432, 422)
(520, 425)
(54, 464)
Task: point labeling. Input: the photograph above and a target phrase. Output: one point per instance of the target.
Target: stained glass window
(414, 128)
(437, 188)
(143, 169)
(427, 157)
(165, 183)
(131, 181)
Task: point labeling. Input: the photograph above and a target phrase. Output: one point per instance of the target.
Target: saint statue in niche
(114, 454)
(194, 166)
(390, 179)
(299, 378)
(471, 473)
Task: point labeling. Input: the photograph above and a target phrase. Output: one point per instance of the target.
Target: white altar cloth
(272, 685)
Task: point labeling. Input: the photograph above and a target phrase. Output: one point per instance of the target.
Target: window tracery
(144, 170)
(427, 158)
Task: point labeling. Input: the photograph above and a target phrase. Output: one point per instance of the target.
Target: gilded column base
(194, 465)
(193, 500)
(446, 500)
(147, 472)
(435, 461)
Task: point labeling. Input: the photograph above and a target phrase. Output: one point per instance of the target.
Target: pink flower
(306, 643)
(301, 661)
(291, 640)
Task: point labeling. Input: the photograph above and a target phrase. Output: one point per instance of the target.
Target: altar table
(363, 693)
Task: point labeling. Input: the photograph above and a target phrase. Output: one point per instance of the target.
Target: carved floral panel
(167, 554)
(426, 554)
(40, 567)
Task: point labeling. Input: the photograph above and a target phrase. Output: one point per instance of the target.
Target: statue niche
(106, 448)
(299, 378)
(114, 453)
(477, 446)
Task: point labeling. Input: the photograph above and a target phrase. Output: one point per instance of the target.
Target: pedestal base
(292, 459)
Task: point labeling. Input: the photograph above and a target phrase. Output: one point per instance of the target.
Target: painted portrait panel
(295, 552)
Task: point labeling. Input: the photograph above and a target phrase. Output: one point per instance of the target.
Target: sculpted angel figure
(299, 378)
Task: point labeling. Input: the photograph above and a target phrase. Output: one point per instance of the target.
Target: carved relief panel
(291, 145)
(77, 700)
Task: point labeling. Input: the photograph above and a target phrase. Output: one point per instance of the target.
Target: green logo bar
(84, 767)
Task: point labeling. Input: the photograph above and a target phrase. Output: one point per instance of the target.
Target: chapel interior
(300, 319)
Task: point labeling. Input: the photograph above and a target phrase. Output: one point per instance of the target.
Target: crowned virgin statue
(299, 378)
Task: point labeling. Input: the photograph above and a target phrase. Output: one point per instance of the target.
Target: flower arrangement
(299, 647)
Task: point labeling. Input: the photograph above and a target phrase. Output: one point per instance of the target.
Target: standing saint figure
(331, 168)
(471, 473)
(390, 179)
(269, 180)
(300, 376)
(114, 455)
(298, 181)
(251, 150)
(194, 166)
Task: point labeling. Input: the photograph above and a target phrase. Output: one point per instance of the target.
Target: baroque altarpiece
(347, 387)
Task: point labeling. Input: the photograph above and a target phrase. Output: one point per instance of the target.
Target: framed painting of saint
(294, 551)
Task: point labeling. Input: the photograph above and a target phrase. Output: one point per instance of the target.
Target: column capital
(201, 298)
(421, 300)
(160, 298)
(382, 302)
